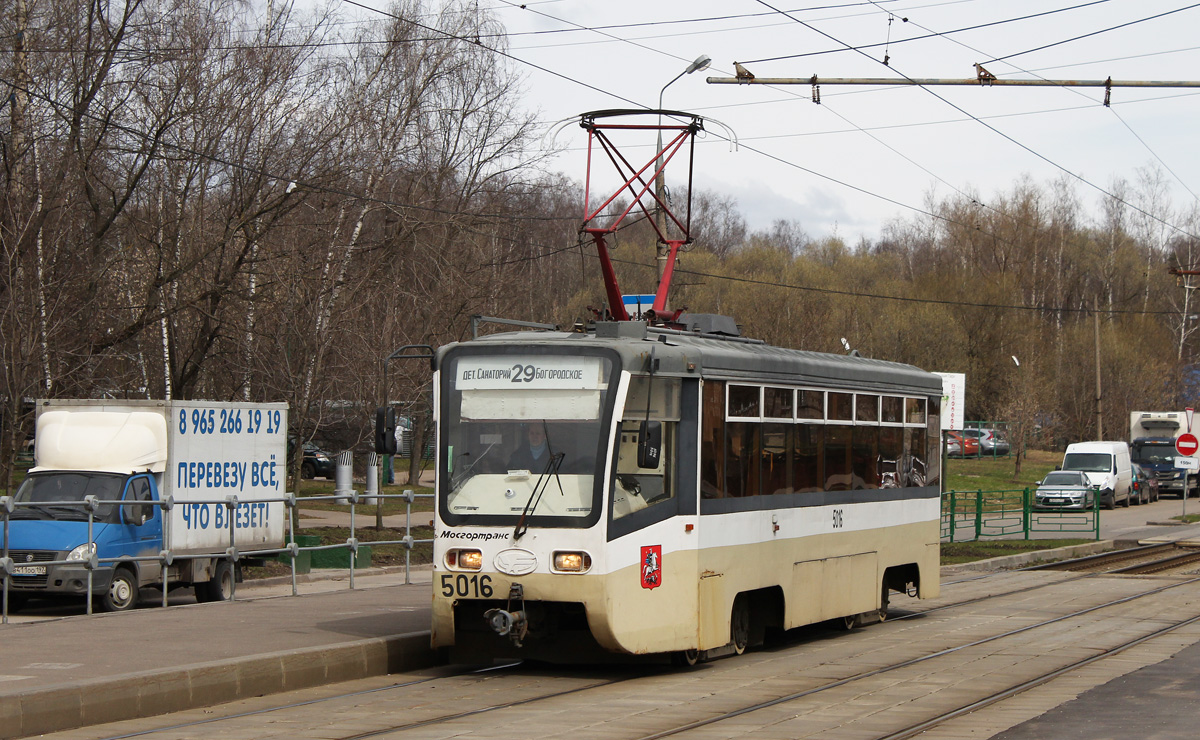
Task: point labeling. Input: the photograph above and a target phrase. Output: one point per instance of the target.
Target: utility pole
(1099, 397)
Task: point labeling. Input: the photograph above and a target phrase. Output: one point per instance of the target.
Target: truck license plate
(29, 570)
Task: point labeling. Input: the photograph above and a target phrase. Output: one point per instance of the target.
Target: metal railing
(166, 557)
(968, 516)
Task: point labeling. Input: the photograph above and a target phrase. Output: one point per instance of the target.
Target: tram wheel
(685, 658)
(739, 624)
(883, 603)
(848, 622)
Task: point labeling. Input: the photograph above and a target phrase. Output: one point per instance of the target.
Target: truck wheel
(308, 471)
(220, 588)
(122, 593)
(1126, 502)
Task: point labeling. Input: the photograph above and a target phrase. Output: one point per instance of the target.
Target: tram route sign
(1187, 444)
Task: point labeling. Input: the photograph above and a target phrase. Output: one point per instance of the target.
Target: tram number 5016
(463, 585)
(837, 518)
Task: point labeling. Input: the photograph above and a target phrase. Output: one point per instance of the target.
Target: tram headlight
(572, 562)
(464, 560)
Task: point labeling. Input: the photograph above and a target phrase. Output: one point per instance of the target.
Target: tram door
(655, 602)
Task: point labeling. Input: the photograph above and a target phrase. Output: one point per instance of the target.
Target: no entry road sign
(1187, 444)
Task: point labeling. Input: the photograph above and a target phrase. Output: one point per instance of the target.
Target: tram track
(443, 718)
(1111, 562)
(998, 696)
(1032, 683)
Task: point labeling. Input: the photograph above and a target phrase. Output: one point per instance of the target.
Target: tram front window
(513, 443)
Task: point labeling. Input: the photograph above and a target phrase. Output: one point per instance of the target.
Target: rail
(166, 557)
(968, 516)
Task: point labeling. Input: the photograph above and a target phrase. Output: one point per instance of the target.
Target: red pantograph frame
(681, 133)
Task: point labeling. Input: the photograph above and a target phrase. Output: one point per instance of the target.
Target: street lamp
(660, 184)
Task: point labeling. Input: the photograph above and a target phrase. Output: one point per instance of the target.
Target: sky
(867, 156)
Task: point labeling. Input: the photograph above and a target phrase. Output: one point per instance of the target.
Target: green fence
(977, 515)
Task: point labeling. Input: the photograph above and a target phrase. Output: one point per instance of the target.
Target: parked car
(967, 446)
(953, 446)
(1064, 490)
(1145, 485)
(991, 444)
(317, 463)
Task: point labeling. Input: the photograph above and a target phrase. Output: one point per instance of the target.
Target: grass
(955, 553)
(1187, 518)
(987, 474)
(381, 555)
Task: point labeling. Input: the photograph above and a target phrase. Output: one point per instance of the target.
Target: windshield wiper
(539, 487)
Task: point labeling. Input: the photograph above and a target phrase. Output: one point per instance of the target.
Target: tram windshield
(523, 433)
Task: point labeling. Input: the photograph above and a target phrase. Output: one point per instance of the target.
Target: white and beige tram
(644, 491)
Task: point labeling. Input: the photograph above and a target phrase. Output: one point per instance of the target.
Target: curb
(97, 701)
(1022, 559)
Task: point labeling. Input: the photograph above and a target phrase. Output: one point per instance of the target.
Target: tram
(639, 490)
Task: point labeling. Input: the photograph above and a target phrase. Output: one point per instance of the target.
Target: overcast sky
(868, 155)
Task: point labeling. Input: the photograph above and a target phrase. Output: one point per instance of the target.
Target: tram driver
(540, 441)
(533, 453)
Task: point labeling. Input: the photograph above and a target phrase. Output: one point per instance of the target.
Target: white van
(1107, 467)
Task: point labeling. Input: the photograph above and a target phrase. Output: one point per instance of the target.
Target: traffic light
(385, 430)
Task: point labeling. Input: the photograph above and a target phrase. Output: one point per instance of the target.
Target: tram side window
(810, 404)
(838, 470)
(891, 454)
(743, 454)
(841, 406)
(893, 410)
(917, 461)
(636, 488)
(808, 461)
(712, 440)
(864, 455)
(933, 433)
(777, 451)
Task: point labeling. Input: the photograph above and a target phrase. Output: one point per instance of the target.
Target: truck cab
(1152, 436)
(1157, 456)
(49, 536)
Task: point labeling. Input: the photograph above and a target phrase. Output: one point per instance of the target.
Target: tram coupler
(507, 622)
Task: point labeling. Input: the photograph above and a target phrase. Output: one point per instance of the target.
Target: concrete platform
(79, 670)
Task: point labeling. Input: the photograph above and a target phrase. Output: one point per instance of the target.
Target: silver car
(1064, 490)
